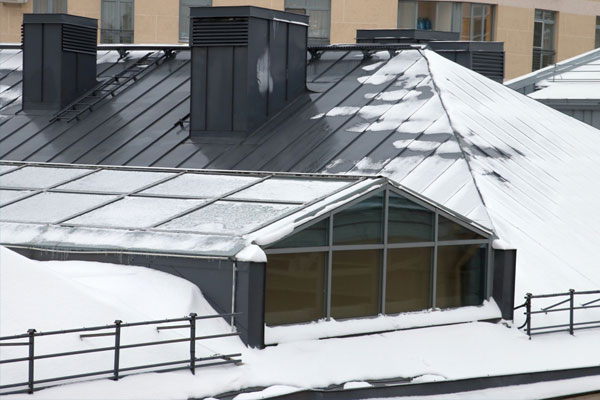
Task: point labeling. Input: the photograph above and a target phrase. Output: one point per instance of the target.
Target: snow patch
(252, 253)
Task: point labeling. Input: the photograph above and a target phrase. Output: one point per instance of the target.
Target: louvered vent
(219, 32)
(489, 64)
(79, 39)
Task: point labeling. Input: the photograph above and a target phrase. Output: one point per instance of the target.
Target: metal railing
(569, 299)
(117, 372)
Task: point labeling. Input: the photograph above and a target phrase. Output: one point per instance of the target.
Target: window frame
(181, 38)
(49, 5)
(540, 49)
(308, 6)
(104, 31)
(486, 241)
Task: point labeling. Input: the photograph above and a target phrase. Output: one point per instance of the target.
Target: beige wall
(514, 27)
(349, 15)
(156, 21)
(575, 35)
(11, 17)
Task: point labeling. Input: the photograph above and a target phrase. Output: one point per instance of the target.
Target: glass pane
(537, 34)
(135, 212)
(110, 15)
(408, 221)
(549, 16)
(444, 17)
(539, 14)
(597, 45)
(466, 22)
(457, 17)
(40, 177)
(408, 280)
(426, 15)
(200, 185)
(184, 22)
(50, 207)
(460, 276)
(548, 37)
(281, 189)
(115, 181)
(355, 283)
(318, 24)
(361, 223)
(488, 20)
(228, 217)
(6, 196)
(314, 235)
(126, 16)
(477, 31)
(296, 10)
(407, 14)
(449, 230)
(537, 60)
(295, 288)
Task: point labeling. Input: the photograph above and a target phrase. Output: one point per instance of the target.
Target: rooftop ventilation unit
(486, 58)
(247, 64)
(59, 59)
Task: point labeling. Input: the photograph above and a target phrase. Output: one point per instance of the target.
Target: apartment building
(536, 33)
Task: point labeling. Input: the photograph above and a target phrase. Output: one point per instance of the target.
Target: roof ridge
(457, 135)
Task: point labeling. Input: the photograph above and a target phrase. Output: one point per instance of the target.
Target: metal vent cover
(79, 39)
(219, 31)
(489, 64)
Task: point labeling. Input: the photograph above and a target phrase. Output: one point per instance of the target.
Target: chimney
(59, 59)
(247, 64)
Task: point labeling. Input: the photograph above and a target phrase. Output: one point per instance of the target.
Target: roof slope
(473, 145)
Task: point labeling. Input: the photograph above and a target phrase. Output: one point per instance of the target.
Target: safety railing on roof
(117, 371)
(571, 307)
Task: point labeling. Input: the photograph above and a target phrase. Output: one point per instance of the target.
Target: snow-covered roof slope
(577, 78)
(536, 171)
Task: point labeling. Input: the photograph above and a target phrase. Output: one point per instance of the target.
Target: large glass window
(340, 272)
(408, 279)
(319, 14)
(460, 277)
(355, 283)
(597, 33)
(116, 21)
(50, 6)
(543, 39)
(295, 288)
(361, 223)
(184, 16)
(472, 21)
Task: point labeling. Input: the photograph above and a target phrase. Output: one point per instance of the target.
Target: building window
(597, 46)
(543, 39)
(472, 21)
(319, 18)
(184, 16)
(50, 6)
(116, 21)
(385, 254)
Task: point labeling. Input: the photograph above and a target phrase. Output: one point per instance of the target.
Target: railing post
(117, 348)
(31, 333)
(193, 342)
(571, 305)
(528, 312)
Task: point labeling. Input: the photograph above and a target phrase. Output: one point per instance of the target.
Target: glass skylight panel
(115, 181)
(135, 212)
(286, 189)
(450, 230)
(6, 168)
(50, 207)
(227, 217)
(201, 185)
(40, 177)
(6, 196)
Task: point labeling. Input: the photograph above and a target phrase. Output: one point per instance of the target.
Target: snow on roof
(472, 145)
(577, 78)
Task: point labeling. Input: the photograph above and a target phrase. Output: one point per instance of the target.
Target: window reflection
(361, 223)
(460, 276)
(408, 221)
(355, 283)
(408, 279)
(295, 288)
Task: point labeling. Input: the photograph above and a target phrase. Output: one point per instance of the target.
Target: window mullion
(384, 261)
(329, 271)
(434, 266)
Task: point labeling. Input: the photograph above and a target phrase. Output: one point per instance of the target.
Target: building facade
(536, 33)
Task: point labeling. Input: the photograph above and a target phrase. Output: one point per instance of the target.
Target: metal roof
(196, 212)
